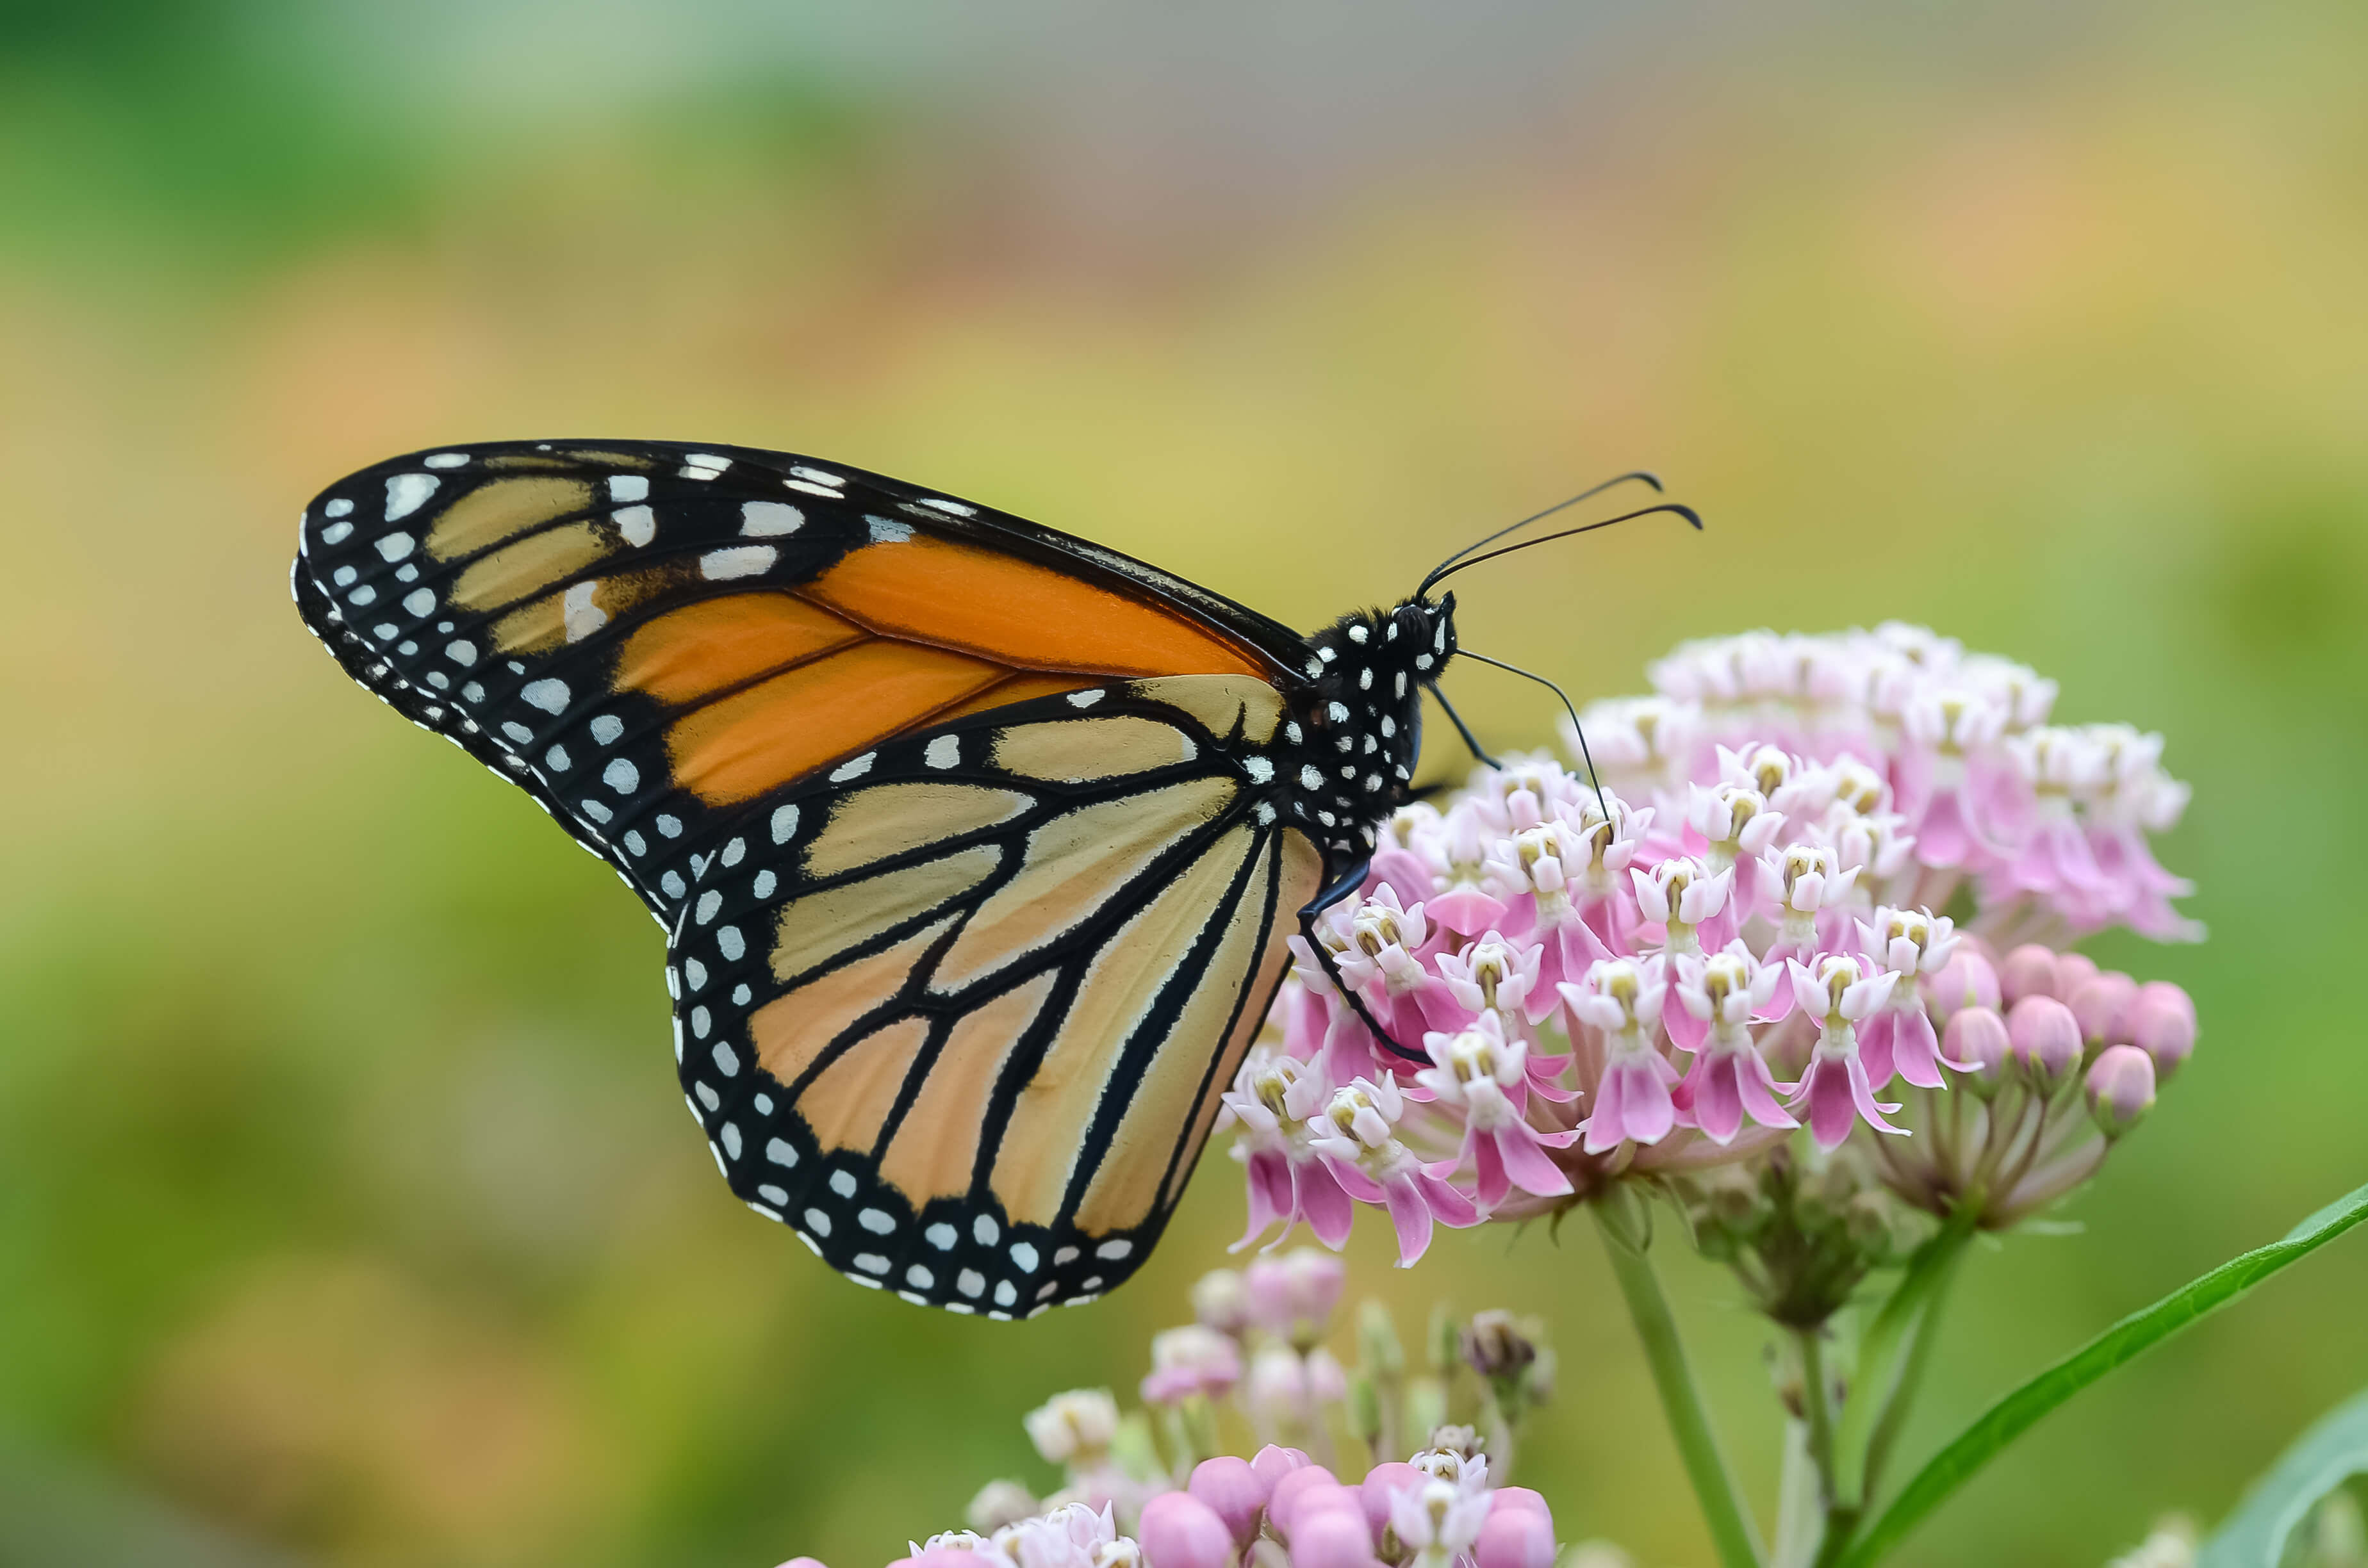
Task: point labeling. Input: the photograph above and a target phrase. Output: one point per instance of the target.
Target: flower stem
(1620, 1217)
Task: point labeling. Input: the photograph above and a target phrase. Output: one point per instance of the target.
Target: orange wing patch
(1016, 613)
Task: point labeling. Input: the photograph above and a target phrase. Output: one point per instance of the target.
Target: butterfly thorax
(1356, 727)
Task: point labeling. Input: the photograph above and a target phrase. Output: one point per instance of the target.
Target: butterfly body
(976, 844)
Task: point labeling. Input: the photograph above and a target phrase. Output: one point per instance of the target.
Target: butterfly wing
(646, 636)
(962, 1018)
(961, 828)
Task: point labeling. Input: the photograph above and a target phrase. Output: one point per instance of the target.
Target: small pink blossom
(1621, 1000)
(1729, 1078)
(1836, 994)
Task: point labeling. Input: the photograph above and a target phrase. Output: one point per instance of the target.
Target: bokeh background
(347, 1213)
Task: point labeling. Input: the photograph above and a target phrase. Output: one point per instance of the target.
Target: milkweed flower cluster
(1827, 883)
(1130, 1500)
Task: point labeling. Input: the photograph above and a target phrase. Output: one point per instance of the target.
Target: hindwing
(959, 1010)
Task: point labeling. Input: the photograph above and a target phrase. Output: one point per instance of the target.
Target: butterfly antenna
(1638, 475)
(1672, 508)
(1585, 755)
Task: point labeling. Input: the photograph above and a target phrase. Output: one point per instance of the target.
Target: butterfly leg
(1350, 878)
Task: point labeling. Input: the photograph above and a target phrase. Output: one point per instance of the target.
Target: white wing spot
(811, 489)
(709, 903)
(344, 575)
(970, 1282)
(709, 1098)
(730, 943)
(785, 822)
(740, 561)
(956, 507)
(419, 601)
(621, 776)
(517, 731)
(1358, 634)
(669, 824)
(445, 460)
(629, 487)
(1024, 1254)
(870, 1263)
(557, 759)
(1006, 1293)
(887, 531)
(763, 886)
(394, 547)
(700, 1020)
(854, 768)
(638, 523)
(1113, 1250)
(1064, 1256)
(636, 843)
(1311, 777)
(875, 1221)
(727, 1062)
(943, 752)
(779, 1151)
(735, 852)
(769, 519)
(595, 810)
(984, 1230)
(843, 1183)
(695, 973)
(461, 652)
(941, 1236)
(673, 885)
(819, 1221)
(919, 1277)
(551, 695)
(405, 492)
(703, 465)
(337, 508)
(581, 614)
(1084, 699)
(1260, 768)
(732, 1139)
(606, 728)
(338, 533)
(772, 1194)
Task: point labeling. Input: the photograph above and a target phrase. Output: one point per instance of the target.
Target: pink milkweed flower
(1497, 975)
(1941, 727)
(1365, 1160)
(1837, 994)
(1377, 942)
(1720, 995)
(1179, 1531)
(1485, 1075)
(1898, 1034)
(1437, 1521)
(1188, 1362)
(1292, 1297)
(1682, 897)
(2133, 797)
(1273, 1097)
(1736, 827)
(1807, 878)
(1539, 872)
(1621, 998)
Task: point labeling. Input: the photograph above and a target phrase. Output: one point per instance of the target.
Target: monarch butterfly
(978, 846)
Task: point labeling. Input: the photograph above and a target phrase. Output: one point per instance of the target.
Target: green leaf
(2123, 1343)
(2322, 1459)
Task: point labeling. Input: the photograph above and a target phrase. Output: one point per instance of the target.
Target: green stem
(1888, 1349)
(1800, 1511)
(1618, 1218)
(1816, 1408)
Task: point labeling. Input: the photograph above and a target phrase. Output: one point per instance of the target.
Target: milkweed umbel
(978, 846)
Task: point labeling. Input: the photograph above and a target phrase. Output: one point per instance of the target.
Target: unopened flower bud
(1234, 1492)
(1221, 1300)
(1179, 1531)
(1515, 1537)
(1967, 980)
(1294, 1489)
(2121, 1087)
(1000, 1503)
(1495, 1347)
(2103, 1007)
(1978, 1038)
(1464, 1441)
(2045, 1039)
(1292, 1296)
(2164, 1027)
(1328, 1537)
(2073, 970)
(1273, 1463)
(2028, 971)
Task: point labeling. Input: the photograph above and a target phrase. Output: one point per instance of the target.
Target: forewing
(960, 1016)
(648, 637)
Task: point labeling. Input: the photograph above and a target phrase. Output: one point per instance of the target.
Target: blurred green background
(347, 1212)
